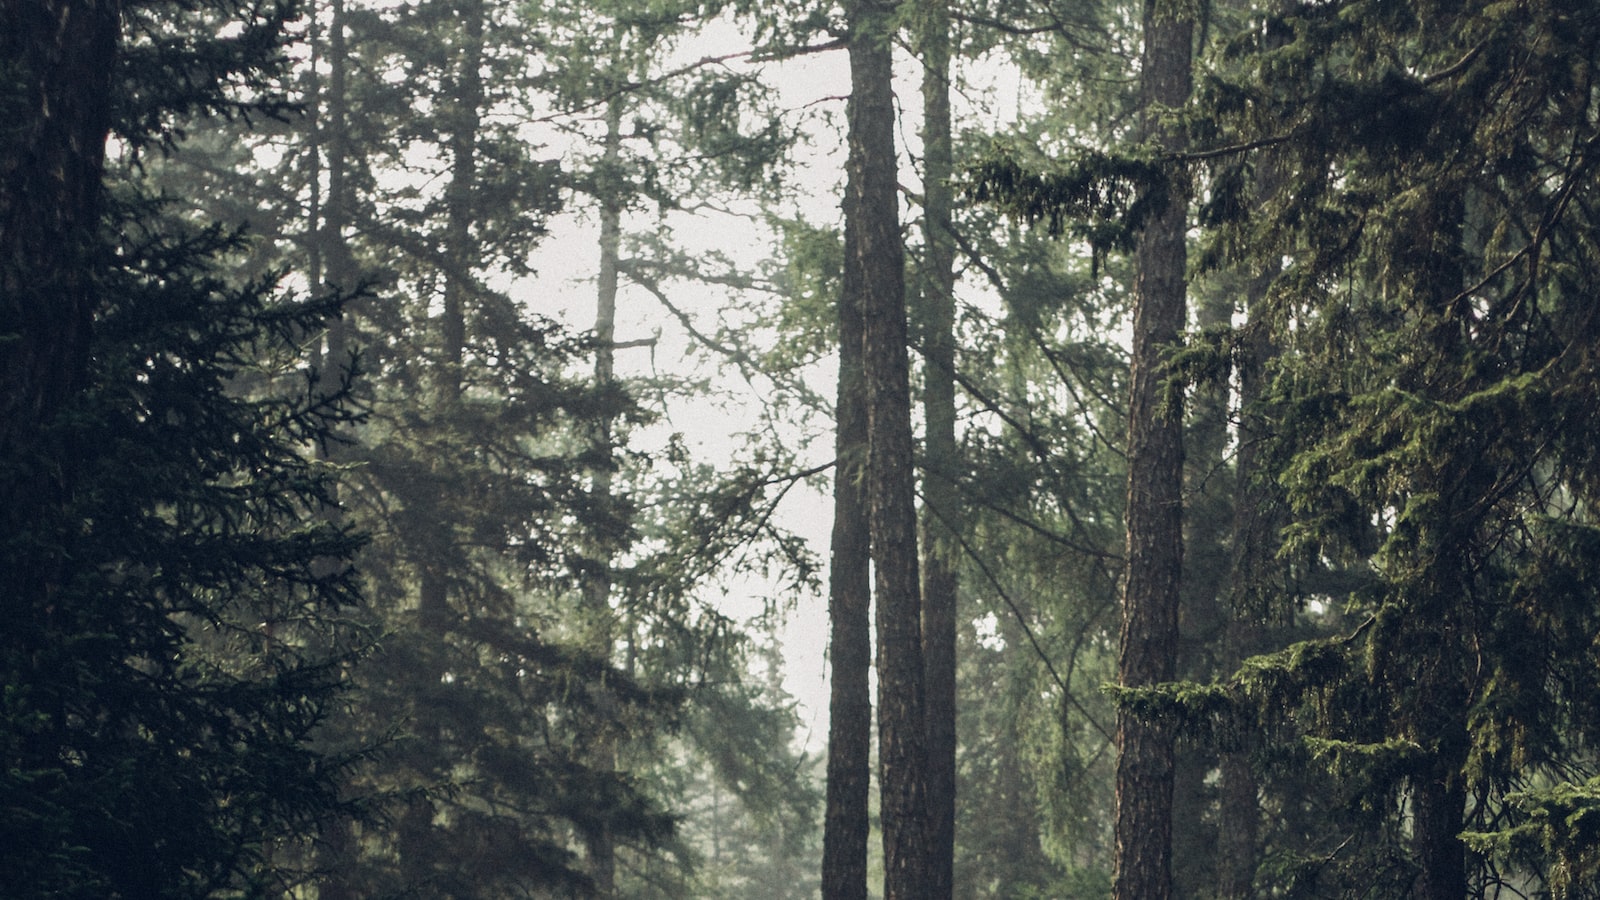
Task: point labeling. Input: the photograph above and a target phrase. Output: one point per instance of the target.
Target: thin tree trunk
(1154, 558)
(339, 262)
(1254, 592)
(600, 843)
(1445, 682)
(433, 605)
(941, 511)
(845, 834)
(1249, 607)
(338, 854)
(875, 266)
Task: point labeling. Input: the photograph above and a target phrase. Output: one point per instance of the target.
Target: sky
(813, 88)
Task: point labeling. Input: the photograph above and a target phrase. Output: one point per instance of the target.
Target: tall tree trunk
(597, 586)
(1250, 607)
(1255, 591)
(875, 268)
(941, 511)
(434, 591)
(1154, 558)
(845, 833)
(333, 244)
(59, 56)
(339, 852)
(1445, 680)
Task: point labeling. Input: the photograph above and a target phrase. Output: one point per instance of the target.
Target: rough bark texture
(874, 259)
(1148, 645)
(941, 503)
(845, 834)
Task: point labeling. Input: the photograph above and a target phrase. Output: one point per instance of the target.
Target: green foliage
(161, 700)
(1426, 434)
(176, 600)
(1558, 830)
(1092, 196)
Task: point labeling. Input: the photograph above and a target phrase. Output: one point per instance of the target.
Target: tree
(846, 831)
(1431, 248)
(874, 271)
(58, 89)
(1148, 647)
(941, 517)
(163, 690)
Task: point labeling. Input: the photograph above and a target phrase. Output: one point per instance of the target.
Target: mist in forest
(911, 450)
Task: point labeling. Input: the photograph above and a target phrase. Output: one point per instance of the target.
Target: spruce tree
(1432, 159)
(171, 592)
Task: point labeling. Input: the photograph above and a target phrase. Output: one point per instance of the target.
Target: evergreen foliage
(164, 682)
(1430, 420)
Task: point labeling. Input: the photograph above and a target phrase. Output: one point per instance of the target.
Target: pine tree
(162, 690)
(1431, 160)
(1148, 649)
(940, 515)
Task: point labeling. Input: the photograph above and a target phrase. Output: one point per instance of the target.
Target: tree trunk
(1154, 559)
(846, 830)
(601, 845)
(58, 58)
(459, 252)
(875, 267)
(333, 242)
(59, 55)
(845, 834)
(1255, 593)
(941, 511)
(1438, 806)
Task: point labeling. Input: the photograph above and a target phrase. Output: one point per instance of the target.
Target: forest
(435, 435)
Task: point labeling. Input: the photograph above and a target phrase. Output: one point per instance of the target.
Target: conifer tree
(940, 513)
(163, 688)
(1148, 647)
(1431, 159)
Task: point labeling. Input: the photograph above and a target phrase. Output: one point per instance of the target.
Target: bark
(845, 833)
(1445, 682)
(875, 266)
(1239, 812)
(1154, 559)
(434, 592)
(58, 60)
(1254, 547)
(1438, 803)
(940, 512)
(600, 843)
(1254, 589)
